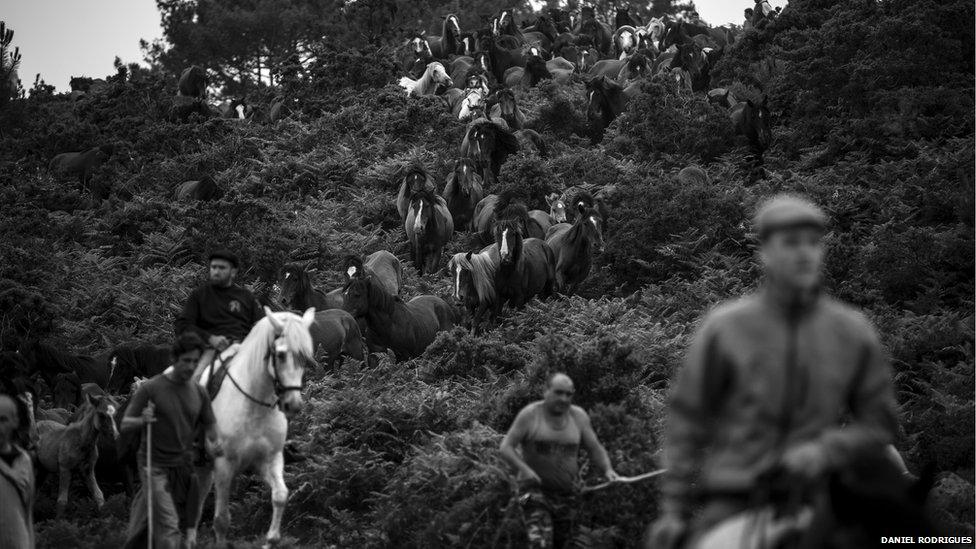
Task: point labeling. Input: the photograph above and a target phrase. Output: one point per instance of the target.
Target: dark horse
(50, 361)
(502, 104)
(606, 99)
(81, 164)
(336, 334)
(297, 293)
(463, 191)
(429, 227)
(203, 189)
(488, 144)
(405, 328)
(126, 362)
(525, 266)
(751, 121)
(573, 247)
(499, 59)
(494, 208)
(693, 59)
(449, 42)
(193, 82)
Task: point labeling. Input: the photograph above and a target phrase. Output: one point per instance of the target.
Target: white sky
(65, 38)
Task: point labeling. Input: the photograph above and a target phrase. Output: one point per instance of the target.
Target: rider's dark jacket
(764, 373)
(212, 310)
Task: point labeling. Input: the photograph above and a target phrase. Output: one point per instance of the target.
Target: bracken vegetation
(873, 118)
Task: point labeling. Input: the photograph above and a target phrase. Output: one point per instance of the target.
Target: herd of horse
(518, 252)
(468, 70)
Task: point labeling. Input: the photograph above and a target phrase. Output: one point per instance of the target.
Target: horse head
(293, 281)
(465, 173)
(103, 410)
(452, 27)
(419, 45)
(422, 205)
(598, 97)
(557, 207)
(689, 57)
(289, 349)
(638, 66)
(508, 237)
(591, 224)
(438, 74)
(505, 99)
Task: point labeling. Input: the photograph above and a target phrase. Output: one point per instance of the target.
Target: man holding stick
(550, 432)
(177, 409)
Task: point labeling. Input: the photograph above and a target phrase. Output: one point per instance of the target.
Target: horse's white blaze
(593, 221)
(240, 112)
(503, 251)
(457, 26)
(417, 223)
(351, 271)
(591, 96)
(501, 20)
(457, 283)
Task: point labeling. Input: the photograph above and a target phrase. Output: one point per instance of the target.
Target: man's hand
(218, 342)
(149, 413)
(529, 477)
(808, 459)
(215, 448)
(665, 532)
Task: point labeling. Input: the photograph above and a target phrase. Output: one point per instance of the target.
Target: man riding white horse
(220, 311)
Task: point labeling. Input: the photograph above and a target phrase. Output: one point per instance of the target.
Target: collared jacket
(210, 310)
(762, 375)
(17, 502)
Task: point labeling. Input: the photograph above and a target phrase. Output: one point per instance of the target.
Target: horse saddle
(214, 373)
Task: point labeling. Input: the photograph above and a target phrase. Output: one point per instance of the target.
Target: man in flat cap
(784, 379)
(220, 311)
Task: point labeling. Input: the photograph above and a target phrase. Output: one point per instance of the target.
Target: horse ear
(308, 318)
(468, 257)
(581, 207)
(92, 399)
(278, 326)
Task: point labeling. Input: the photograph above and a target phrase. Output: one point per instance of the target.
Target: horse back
(539, 266)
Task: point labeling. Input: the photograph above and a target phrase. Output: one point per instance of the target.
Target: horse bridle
(279, 389)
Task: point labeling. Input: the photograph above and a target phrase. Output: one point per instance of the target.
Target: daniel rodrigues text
(928, 539)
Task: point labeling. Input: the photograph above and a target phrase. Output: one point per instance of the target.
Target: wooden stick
(623, 480)
(149, 483)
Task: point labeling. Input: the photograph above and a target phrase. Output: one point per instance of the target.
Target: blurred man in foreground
(769, 382)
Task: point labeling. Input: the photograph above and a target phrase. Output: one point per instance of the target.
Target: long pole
(149, 483)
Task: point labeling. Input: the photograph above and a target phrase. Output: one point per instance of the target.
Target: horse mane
(377, 295)
(482, 273)
(510, 208)
(253, 350)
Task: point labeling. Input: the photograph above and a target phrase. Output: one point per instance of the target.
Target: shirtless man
(550, 432)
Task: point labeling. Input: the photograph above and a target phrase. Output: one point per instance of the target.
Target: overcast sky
(65, 38)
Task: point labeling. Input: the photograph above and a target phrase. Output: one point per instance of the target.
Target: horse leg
(274, 476)
(64, 482)
(223, 475)
(96, 492)
(205, 476)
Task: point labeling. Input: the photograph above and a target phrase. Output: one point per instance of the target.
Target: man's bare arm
(592, 444)
(509, 446)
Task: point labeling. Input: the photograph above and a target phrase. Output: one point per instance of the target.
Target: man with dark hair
(178, 409)
(784, 379)
(220, 312)
(550, 432)
(747, 24)
(16, 477)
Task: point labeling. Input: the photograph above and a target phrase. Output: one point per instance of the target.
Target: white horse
(261, 390)
(427, 84)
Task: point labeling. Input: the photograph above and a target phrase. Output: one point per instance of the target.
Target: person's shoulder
(578, 413)
(732, 311)
(849, 317)
(529, 409)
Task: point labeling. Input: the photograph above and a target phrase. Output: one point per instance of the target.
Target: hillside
(873, 118)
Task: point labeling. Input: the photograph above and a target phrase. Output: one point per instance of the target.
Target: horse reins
(278, 387)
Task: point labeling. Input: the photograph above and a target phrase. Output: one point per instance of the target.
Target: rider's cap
(788, 212)
(226, 255)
